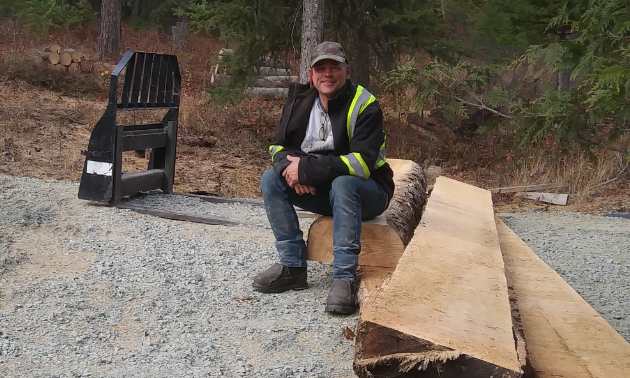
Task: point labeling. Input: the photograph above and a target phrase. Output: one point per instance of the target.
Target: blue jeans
(349, 200)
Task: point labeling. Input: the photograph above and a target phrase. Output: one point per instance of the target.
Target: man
(328, 157)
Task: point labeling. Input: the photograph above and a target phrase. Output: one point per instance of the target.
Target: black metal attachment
(152, 82)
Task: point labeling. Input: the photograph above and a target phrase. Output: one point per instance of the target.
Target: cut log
(384, 238)
(444, 312)
(53, 57)
(262, 62)
(86, 65)
(565, 336)
(69, 51)
(553, 198)
(271, 71)
(55, 48)
(57, 67)
(65, 59)
(76, 56)
(268, 93)
(263, 82)
(74, 68)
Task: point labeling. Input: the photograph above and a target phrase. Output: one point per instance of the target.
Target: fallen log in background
(268, 93)
(263, 81)
(445, 311)
(565, 336)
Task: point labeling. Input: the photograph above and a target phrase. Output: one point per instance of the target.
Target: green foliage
(161, 16)
(597, 108)
(519, 23)
(226, 94)
(451, 87)
(41, 15)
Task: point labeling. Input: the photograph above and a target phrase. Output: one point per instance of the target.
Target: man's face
(329, 76)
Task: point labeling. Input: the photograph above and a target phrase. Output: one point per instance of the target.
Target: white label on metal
(99, 168)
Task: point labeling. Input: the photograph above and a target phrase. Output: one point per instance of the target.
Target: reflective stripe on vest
(354, 161)
(274, 149)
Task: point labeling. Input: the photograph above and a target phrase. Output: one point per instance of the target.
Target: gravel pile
(591, 253)
(89, 290)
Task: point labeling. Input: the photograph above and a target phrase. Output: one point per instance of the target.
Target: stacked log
(273, 76)
(67, 60)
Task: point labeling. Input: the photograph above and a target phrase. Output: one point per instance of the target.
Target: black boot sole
(341, 310)
(282, 289)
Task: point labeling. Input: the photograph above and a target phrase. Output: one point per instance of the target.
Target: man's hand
(290, 173)
(304, 189)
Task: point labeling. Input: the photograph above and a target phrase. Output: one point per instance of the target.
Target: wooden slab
(565, 336)
(384, 238)
(553, 198)
(444, 312)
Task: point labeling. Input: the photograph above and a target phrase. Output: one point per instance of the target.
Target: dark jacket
(320, 169)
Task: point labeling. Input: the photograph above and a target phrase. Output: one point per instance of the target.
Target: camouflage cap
(328, 50)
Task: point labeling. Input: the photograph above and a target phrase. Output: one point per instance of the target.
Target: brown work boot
(342, 297)
(280, 278)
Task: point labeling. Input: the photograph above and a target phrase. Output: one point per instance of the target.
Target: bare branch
(482, 106)
(611, 180)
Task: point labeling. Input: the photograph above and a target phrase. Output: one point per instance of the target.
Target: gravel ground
(591, 253)
(89, 290)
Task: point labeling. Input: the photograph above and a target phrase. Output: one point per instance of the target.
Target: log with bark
(262, 82)
(444, 312)
(384, 238)
(265, 61)
(268, 93)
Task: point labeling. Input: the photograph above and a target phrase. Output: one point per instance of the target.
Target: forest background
(490, 92)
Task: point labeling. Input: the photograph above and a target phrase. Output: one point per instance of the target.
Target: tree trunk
(312, 34)
(180, 30)
(135, 12)
(96, 5)
(109, 37)
(564, 76)
(357, 45)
